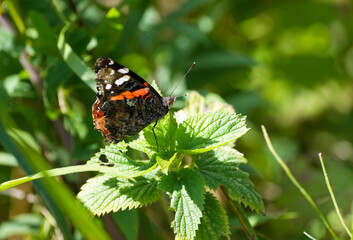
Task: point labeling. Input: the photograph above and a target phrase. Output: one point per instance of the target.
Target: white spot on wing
(111, 72)
(123, 70)
(111, 62)
(108, 86)
(122, 80)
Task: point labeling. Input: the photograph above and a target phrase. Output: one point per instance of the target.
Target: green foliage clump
(192, 156)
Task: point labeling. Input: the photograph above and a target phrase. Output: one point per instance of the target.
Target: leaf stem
(296, 183)
(238, 215)
(333, 196)
(58, 172)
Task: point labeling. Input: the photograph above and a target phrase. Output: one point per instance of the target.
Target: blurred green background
(285, 64)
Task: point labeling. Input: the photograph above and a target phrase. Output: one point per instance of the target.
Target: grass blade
(296, 183)
(333, 196)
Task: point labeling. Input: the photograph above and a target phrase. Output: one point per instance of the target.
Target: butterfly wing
(125, 102)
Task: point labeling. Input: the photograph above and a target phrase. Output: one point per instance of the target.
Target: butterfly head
(168, 101)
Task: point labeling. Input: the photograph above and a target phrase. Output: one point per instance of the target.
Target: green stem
(241, 216)
(296, 183)
(59, 172)
(333, 196)
(352, 231)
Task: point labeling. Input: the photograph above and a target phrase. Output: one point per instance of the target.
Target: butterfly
(125, 102)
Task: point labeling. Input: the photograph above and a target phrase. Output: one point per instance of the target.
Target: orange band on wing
(130, 95)
(99, 121)
(140, 93)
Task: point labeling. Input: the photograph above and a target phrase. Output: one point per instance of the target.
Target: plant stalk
(296, 183)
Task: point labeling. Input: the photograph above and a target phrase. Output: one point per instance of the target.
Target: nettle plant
(195, 157)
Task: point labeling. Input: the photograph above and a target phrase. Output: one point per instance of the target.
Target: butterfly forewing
(125, 102)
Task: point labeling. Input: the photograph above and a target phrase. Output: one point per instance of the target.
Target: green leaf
(221, 169)
(103, 194)
(74, 62)
(114, 155)
(155, 86)
(214, 221)
(206, 131)
(46, 37)
(136, 11)
(186, 189)
(222, 157)
(194, 104)
(142, 145)
(165, 131)
(164, 160)
(164, 164)
(109, 32)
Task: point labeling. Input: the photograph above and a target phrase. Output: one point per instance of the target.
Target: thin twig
(296, 183)
(333, 196)
(33, 74)
(235, 211)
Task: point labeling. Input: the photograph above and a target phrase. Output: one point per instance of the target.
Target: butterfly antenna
(183, 78)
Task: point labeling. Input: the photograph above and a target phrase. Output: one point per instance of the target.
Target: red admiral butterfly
(125, 103)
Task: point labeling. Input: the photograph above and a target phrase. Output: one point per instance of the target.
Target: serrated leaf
(186, 189)
(194, 104)
(220, 106)
(206, 131)
(155, 86)
(103, 194)
(220, 170)
(141, 144)
(222, 156)
(165, 131)
(114, 155)
(164, 160)
(164, 164)
(214, 221)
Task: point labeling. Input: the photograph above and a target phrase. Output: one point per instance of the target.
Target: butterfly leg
(171, 119)
(155, 137)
